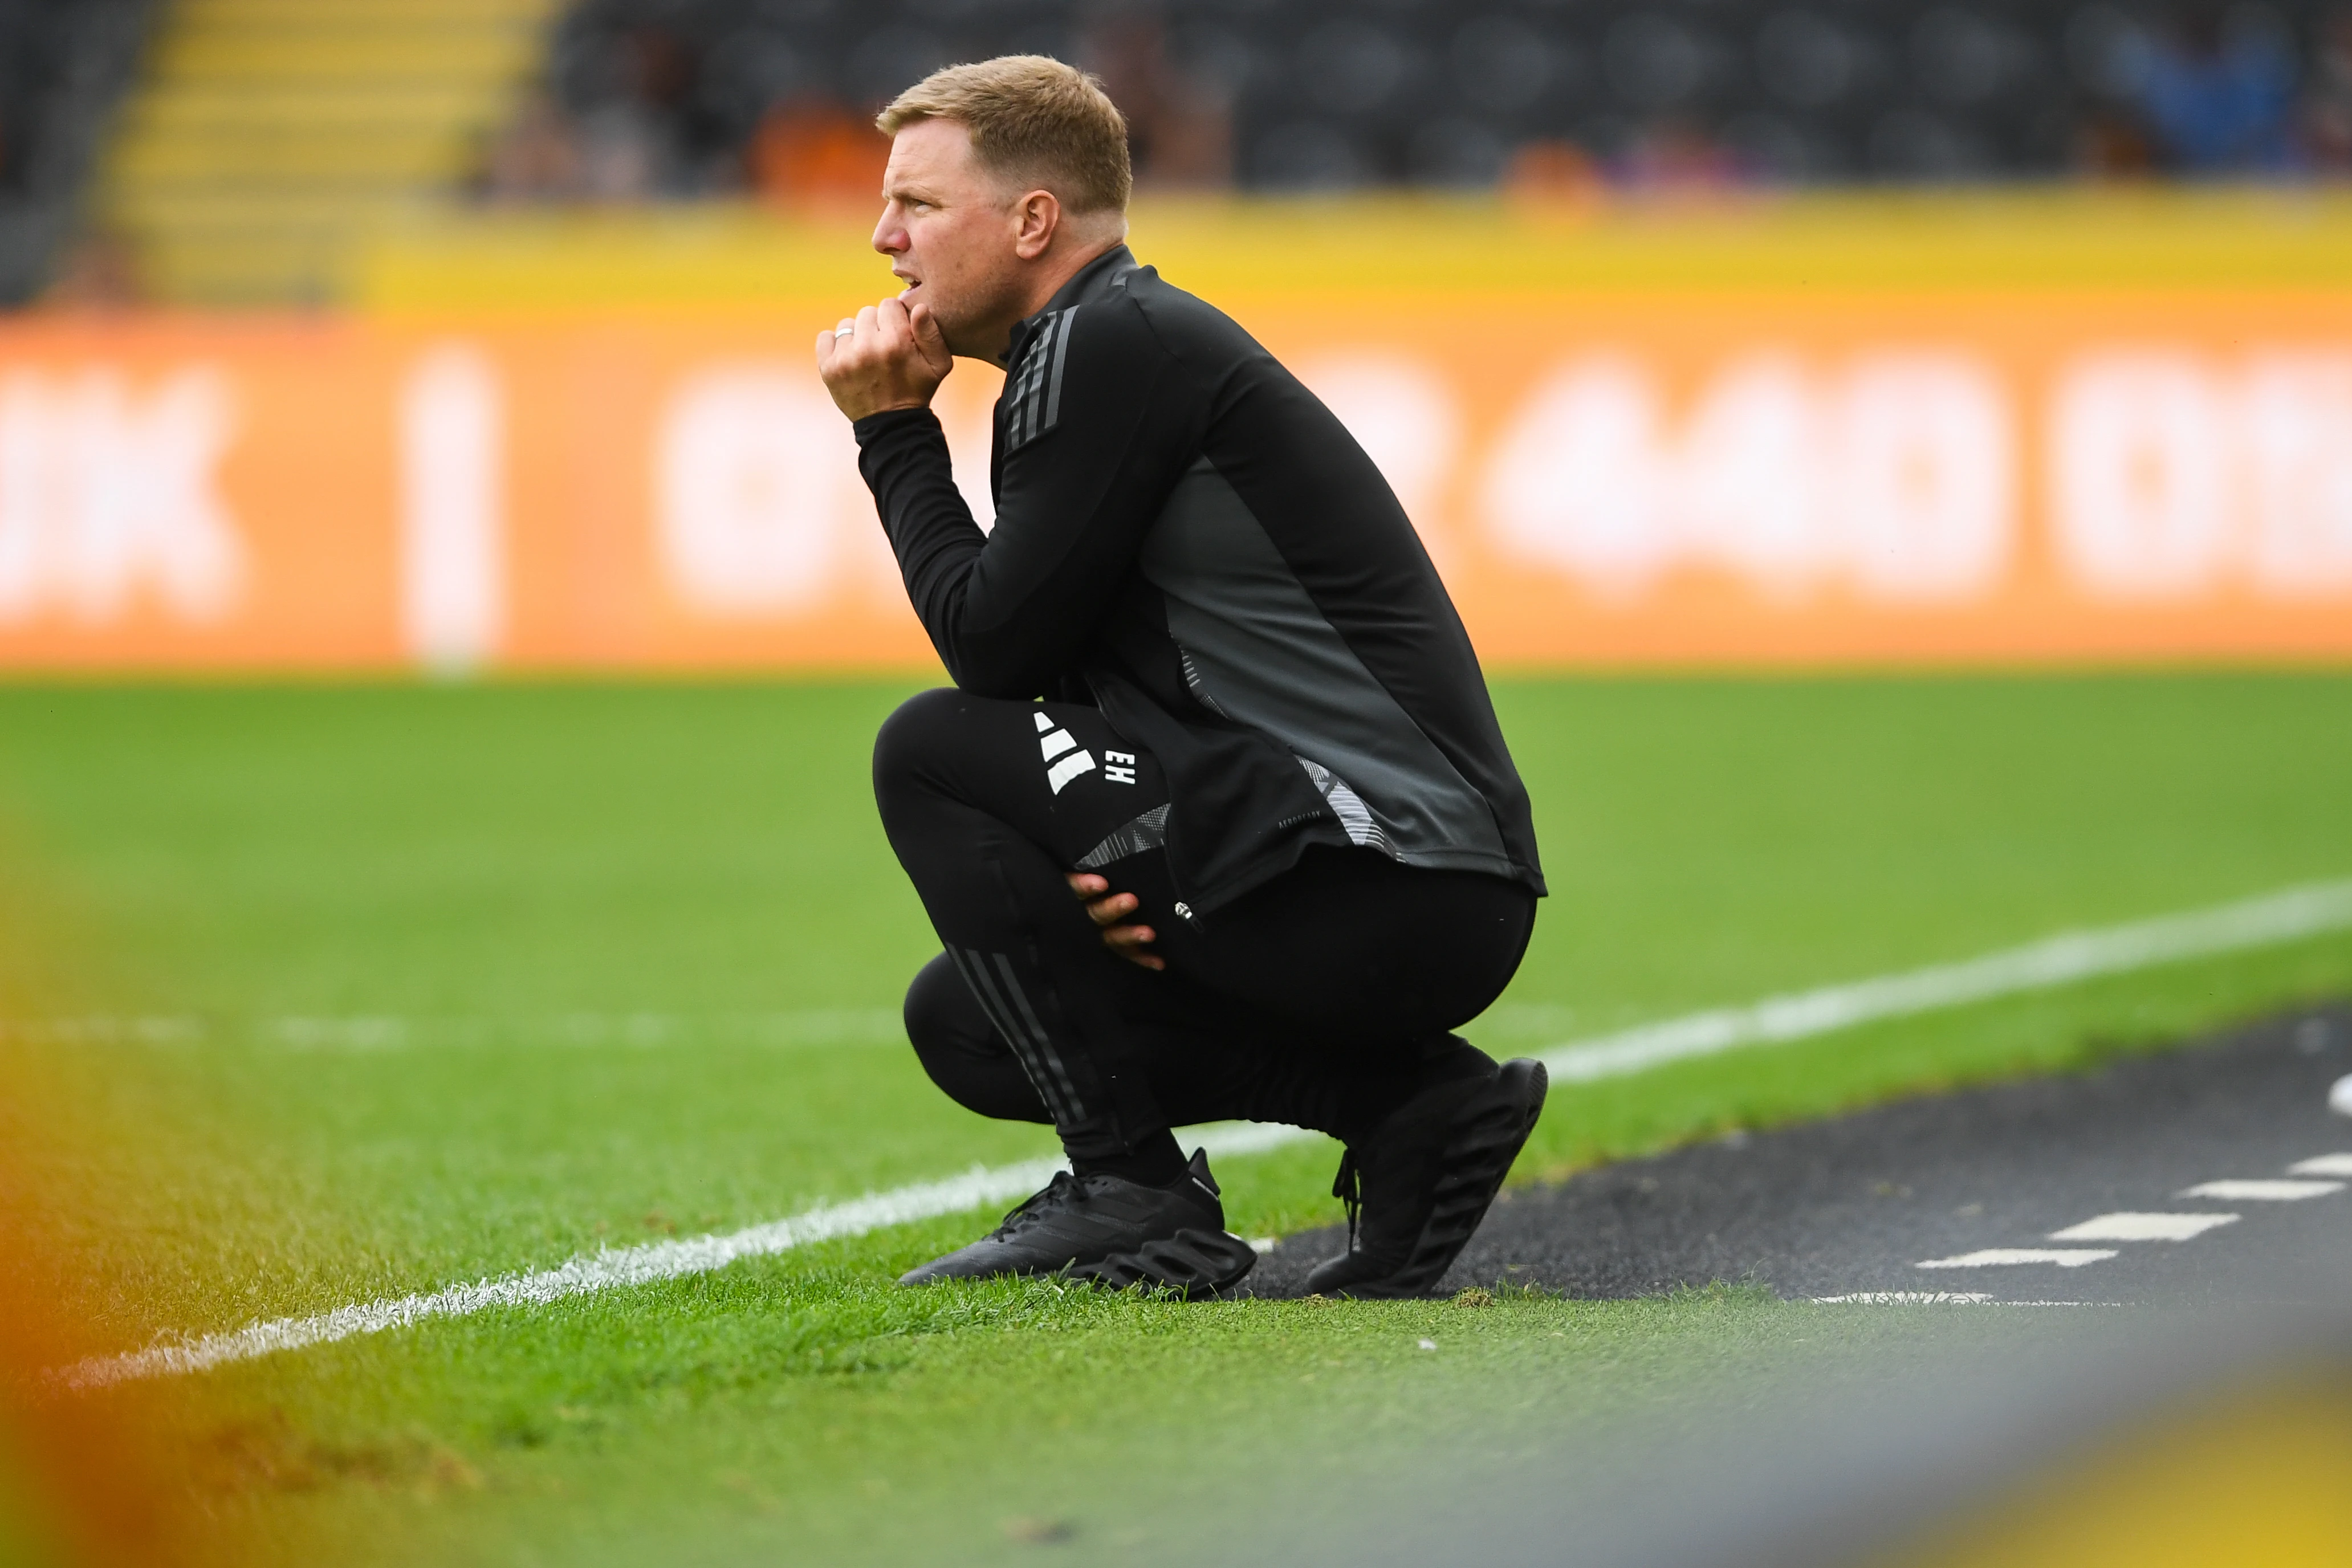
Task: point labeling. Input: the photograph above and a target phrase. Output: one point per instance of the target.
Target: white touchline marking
(2324, 1166)
(2284, 916)
(2270, 1191)
(579, 1276)
(2059, 960)
(2001, 1257)
(1933, 1298)
(611, 1267)
(2144, 1227)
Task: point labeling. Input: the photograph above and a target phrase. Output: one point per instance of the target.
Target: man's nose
(890, 235)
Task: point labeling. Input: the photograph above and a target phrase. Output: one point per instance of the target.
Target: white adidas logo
(1057, 743)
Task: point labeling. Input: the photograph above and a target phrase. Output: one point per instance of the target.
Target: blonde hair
(1034, 120)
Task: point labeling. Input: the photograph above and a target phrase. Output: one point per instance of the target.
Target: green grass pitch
(346, 992)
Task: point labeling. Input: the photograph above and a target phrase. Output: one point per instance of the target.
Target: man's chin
(916, 294)
(952, 325)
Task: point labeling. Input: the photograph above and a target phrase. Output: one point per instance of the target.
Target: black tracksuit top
(1187, 538)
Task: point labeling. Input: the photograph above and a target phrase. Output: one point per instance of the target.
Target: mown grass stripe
(2066, 958)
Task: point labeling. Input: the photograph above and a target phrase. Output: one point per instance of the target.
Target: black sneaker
(1418, 1186)
(1113, 1231)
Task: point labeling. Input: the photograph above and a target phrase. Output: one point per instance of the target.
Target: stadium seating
(270, 135)
(273, 141)
(1337, 93)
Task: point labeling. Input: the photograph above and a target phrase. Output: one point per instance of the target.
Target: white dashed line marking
(1933, 1299)
(2324, 1166)
(2143, 1228)
(2268, 1191)
(2339, 1099)
(2000, 1257)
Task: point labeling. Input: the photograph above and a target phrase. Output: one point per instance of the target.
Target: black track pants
(1322, 999)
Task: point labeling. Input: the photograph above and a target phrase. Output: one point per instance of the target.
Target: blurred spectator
(2218, 91)
(677, 98)
(616, 151)
(1558, 173)
(631, 144)
(620, 124)
(2110, 146)
(1179, 128)
(622, 152)
(2327, 113)
(537, 158)
(816, 151)
(98, 272)
(1676, 157)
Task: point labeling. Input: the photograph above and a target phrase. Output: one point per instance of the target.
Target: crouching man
(1207, 682)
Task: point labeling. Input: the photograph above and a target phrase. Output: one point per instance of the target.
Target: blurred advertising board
(1700, 478)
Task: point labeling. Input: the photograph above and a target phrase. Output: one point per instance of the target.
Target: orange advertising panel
(1877, 478)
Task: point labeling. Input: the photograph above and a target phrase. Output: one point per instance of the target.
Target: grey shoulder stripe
(1034, 401)
(1032, 380)
(1053, 372)
(1147, 831)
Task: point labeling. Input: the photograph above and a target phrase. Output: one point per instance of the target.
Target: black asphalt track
(1857, 1204)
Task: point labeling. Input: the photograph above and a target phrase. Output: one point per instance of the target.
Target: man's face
(947, 227)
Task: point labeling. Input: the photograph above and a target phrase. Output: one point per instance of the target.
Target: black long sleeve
(1186, 536)
(1010, 611)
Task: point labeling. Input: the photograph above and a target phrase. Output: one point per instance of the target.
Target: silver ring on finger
(842, 331)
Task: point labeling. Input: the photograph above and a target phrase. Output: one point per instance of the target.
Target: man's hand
(1108, 909)
(888, 357)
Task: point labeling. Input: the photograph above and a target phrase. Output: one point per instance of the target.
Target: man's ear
(1037, 218)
